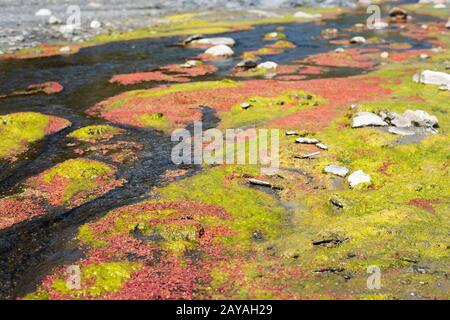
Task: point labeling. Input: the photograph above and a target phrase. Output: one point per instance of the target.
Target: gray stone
(307, 141)
(247, 64)
(220, 51)
(421, 118)
(337, 170)
(192, 38)
(358, 177)
(358, 40)
(367, 119)
(322, 146)
(432, 77)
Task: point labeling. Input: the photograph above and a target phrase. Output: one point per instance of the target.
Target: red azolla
(18, 209)
(425, 204)
(135, 78)
(51, 87)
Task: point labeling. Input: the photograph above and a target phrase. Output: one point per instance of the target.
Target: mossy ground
(19, 130)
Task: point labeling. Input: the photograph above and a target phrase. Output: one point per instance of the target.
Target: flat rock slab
(367, 119)
(337, 170)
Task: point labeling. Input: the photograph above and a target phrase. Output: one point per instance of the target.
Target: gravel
(20, 27)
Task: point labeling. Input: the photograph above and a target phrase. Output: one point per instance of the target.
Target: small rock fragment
(384, 55)
(291, 133)
(321, 146)
(43, 13)
(95, 24)
(304, 15)
(307, 141)
(247, 64)
(432, 77)
(309, 155)
(337, 170)
(358, 177)
(398, 14)
(192, 38)
(268, 65)
(358, 40)
(64, 49)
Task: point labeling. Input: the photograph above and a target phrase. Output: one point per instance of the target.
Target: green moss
(250, 209)
(98, 279)
(80, 174)
(263, 109)
(155, 120)
(97, 132)
(427, 9)
(19, 129)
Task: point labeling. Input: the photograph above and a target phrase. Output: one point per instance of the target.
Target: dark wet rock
(309, 155)
(330, 242)
(338, 202)
(329, 270)
(337, 170)
(398, 14)
(247, 64)
(245, 105)
(257, 235)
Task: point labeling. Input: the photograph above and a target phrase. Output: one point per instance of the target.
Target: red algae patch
(352, 57)
(340, 92)
(18, 209)
(173, 73)
(51, 87)
(167, 249)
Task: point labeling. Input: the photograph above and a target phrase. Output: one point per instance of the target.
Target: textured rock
(432, 77)
(358, 177)
(337, 170)
(220, 51)
(307, 141)
(358, 39)
(268, 65)
(367, 119)
(401, 131)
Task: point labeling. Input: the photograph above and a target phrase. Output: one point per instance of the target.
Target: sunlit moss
(95, 132)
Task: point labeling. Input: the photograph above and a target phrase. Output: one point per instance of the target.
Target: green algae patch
(99, 279)
(154, 120)
(262, 109)
(426, 9)
(19, 130)
(74, 178)
(94, 133)
(250, 209)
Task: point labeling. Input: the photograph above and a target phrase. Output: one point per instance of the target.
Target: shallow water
(29, 250)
